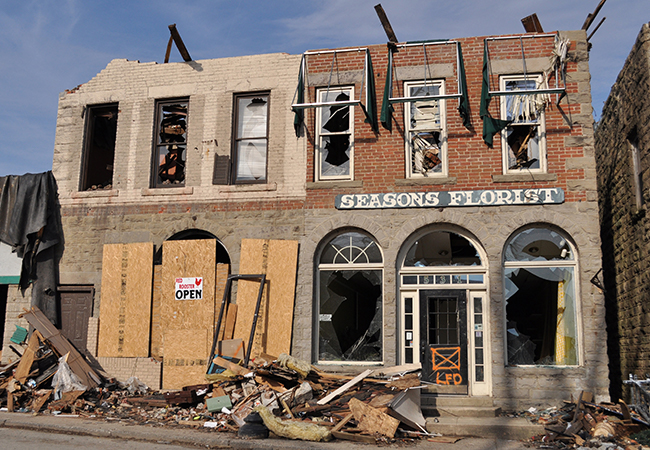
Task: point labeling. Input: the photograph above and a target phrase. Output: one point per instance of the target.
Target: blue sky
(47, 46)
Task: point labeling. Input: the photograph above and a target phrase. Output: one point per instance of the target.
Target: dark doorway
(443, 336)
(76, 308)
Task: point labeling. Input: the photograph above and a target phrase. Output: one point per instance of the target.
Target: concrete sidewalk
(206, 438)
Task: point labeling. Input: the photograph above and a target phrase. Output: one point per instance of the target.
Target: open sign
(189, 288)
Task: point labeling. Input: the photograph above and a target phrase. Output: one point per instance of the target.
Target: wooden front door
(443, 335)
(76, 309)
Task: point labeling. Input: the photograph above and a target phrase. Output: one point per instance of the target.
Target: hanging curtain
(560, 335)
(299, 114)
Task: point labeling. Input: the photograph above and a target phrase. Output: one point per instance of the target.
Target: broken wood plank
(62, 346)
(354, 437)
(234, 368)
(372, 420)
(179, 43)
(40, 400)
(345, 387)
(25, 364)
(342, 422)
(231, 318)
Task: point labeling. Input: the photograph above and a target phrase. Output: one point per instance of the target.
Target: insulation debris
(293, 430)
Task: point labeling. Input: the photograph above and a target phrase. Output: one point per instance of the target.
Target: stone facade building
(622, 142)
(419, 242)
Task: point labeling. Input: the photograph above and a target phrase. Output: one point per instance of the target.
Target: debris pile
(583, 424)
(285, 395)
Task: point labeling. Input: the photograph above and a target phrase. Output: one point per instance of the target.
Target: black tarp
(31, 225)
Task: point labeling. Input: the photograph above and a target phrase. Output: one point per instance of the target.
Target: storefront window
(540, 290)
(350, 300)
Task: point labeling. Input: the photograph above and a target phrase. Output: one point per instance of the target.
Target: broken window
(524, 140)
(442, 248)
(426, 139)
(540, 290)
(350, 300)
(334, 131)
(170, 143)
(251, 138)
(99, 151)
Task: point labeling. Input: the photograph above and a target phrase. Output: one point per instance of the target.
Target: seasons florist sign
(189, 288)
(439, 199)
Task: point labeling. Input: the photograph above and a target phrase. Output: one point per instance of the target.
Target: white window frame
(572, 264)
(540, 121)
(408, 129)
(328, 95)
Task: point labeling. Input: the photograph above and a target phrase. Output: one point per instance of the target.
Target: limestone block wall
(16, 305)
(625, 228)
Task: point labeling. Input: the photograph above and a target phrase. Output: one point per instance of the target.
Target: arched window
(442, 248)
(350, 299)
(541, 298)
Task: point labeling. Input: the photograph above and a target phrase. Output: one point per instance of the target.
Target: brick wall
(625, 230)
(148, 370)
(16, 305)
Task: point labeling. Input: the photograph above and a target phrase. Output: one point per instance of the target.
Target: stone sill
(95, 194)
(335, 184)
(523, 177)
(248, 187)
(424, 181)
(147, 192)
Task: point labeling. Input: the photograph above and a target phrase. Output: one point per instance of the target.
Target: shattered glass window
(170, 143)
(425, 130)
(523, 138)
(334, 130)
(251, 138)
(541, 302)
(442, 248)
(99, 151)
(350, 300)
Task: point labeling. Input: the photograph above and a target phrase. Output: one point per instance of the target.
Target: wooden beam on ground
(25, 364)
(342, 422)
(354, 437)
(179, 43)
(345, 387)
(234, 368)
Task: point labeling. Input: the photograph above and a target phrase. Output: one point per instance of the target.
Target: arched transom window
(350, 299)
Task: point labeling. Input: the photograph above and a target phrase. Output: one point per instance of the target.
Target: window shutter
(221, 172)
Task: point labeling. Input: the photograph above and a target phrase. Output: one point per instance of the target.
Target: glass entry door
(443, 339)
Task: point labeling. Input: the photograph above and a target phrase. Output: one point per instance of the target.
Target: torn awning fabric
(299, 114)
(491, 126)
(30, 224)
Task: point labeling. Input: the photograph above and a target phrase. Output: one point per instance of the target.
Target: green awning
(369, 104)
(463, 103)
(299, 114)
(491, 126)
(386, 116)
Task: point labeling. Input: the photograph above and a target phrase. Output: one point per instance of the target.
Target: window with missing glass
(523, 142)
(426, 137)
(335, 135)
(170, 143)
(540, 283)
(350, 297)
(99, 147)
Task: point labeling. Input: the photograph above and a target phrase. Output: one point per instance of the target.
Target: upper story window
(250, 138)
(170, 143)
(426, 136)
(335, 135)
(99, 147)
(523, 142)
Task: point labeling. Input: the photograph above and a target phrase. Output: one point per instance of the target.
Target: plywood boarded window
(350, 299)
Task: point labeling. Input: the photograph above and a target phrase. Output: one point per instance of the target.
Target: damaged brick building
(442, 219)
(622, 141)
